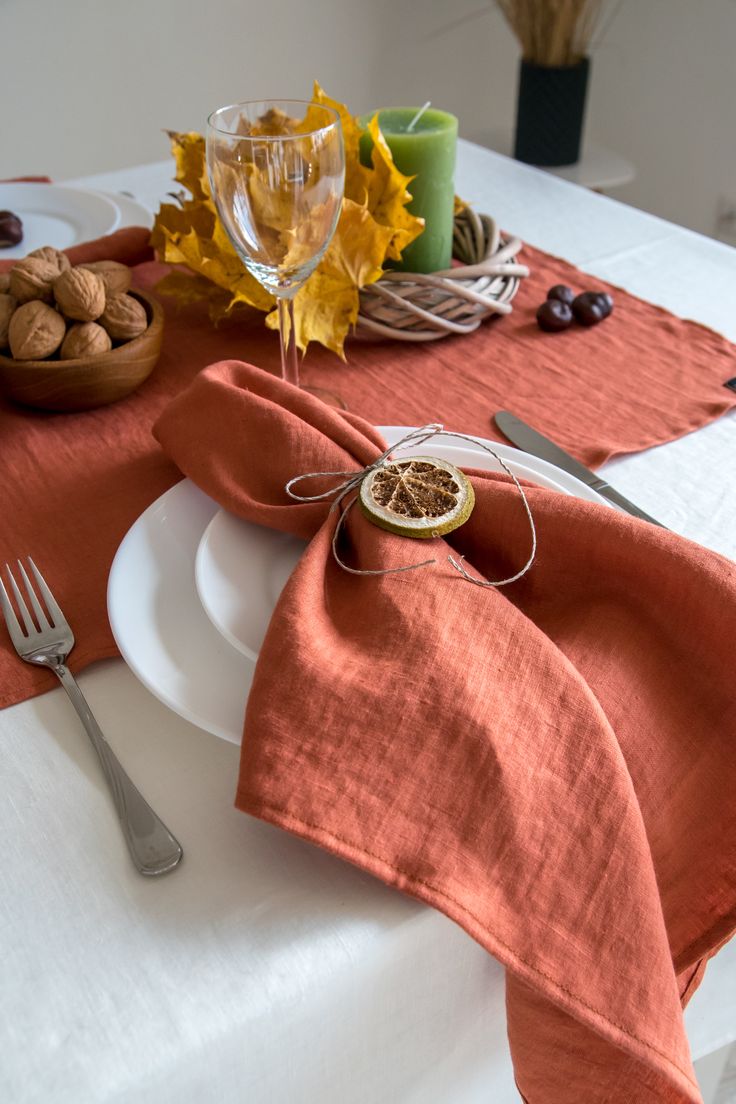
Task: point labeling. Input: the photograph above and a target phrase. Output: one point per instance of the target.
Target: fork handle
(153, 848)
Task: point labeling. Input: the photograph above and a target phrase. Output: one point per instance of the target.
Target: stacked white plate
(62, 216)
(192, 588)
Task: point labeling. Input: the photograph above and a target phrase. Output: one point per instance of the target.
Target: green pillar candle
(427, 152)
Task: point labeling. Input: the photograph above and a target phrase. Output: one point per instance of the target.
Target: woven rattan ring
(412, 306)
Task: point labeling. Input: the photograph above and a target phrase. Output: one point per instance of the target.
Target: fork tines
(50, 617)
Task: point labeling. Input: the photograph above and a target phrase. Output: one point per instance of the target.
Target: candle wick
(418, 115)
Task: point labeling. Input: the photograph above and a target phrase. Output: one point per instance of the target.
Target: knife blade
(530, 440)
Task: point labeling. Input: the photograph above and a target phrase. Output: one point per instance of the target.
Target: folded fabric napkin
(551, 764)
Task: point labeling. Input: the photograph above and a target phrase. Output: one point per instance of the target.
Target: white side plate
(241, 568)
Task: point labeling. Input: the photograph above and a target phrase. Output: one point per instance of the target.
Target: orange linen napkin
(551, 764)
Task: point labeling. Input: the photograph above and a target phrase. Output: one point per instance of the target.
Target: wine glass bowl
(276, 170)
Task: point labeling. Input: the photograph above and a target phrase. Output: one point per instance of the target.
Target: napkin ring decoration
(414, 496)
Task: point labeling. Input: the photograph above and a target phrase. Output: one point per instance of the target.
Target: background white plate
(160, 626)
(241, 568)
(132, 213)
(53, 214)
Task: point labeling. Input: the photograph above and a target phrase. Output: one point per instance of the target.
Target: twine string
(351, 481)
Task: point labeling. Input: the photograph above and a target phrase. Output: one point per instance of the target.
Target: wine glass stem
(287, 334)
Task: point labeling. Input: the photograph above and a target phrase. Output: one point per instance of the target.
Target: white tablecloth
(263, 970)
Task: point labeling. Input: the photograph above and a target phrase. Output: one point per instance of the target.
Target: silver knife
(528, 439)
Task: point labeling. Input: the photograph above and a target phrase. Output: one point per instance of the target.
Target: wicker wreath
(412, 306)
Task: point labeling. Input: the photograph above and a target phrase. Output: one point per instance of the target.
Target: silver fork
(153, 848)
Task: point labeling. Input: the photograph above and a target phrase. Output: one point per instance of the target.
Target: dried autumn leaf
(357, 176)
(388, 195)
(189, 287)
(191, 166)
(191, 233)
(271, 124)
(327, 306)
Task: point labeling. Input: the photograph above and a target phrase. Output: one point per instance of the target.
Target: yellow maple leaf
(191, 164)
(191, 233)
(327, 306)
(357, 176)
(189, 287)
(374, 226)
(388, 194)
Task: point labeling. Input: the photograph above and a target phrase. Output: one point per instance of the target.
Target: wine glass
(277, 173)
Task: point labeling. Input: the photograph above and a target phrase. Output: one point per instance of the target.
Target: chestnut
(588, 309)
(605, 301)
(561, 292)
(11, 229)
(554, 316)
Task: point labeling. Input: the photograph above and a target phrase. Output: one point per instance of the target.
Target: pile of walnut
(48, 306)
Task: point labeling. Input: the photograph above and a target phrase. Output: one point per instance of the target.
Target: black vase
(549, 112)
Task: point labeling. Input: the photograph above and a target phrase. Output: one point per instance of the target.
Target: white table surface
(264, 970)
(597, 166)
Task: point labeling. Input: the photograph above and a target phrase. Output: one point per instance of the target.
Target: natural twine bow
(353, 480)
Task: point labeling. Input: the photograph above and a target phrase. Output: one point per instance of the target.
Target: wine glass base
(328, 397)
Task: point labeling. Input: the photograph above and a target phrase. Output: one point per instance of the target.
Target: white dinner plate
(158, 621)
(54, 214)
(241, 568)
(159, 625)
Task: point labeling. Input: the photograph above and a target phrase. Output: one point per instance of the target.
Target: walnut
(36, 331)
(5, 283)
(33, 278)
(124, 318)
(7, 306)
(80, 294)
(116, 277)
(85, 339)
(54, 256)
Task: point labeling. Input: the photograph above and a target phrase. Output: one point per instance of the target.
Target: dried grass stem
(553, 32)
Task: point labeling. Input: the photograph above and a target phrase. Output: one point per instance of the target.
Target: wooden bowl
(88, 381)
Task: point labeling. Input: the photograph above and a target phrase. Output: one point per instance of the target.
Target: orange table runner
(72, 484)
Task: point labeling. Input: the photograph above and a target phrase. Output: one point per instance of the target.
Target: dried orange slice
(417, 496)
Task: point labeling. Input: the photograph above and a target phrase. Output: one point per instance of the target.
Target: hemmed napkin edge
(437, 898)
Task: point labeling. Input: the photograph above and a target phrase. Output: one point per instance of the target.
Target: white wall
(662, 91)
(89, 85)
(664, 94)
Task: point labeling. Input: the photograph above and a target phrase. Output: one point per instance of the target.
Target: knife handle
(618, 499)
